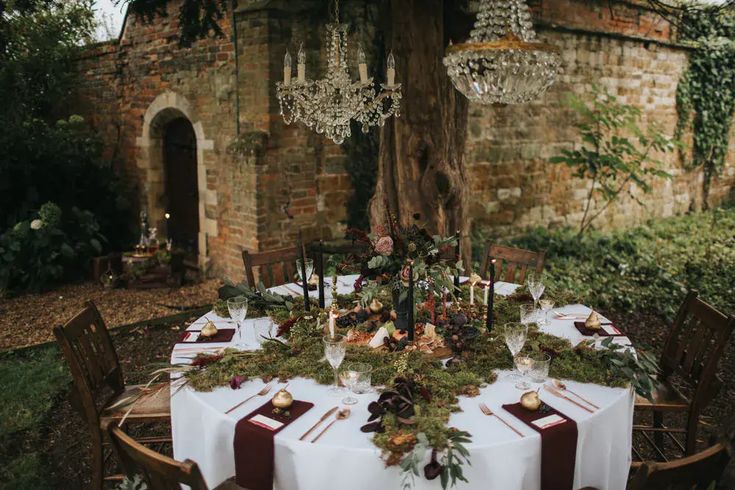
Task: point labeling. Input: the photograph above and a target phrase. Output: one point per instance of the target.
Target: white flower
(36, 224)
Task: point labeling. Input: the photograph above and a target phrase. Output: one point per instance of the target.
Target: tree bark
(421, 156)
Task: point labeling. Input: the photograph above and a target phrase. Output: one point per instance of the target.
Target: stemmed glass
(546, 306)
(309, 269)
(238, 308)
(514, 335)
(528, 315)
(334, 350)
(536, 288)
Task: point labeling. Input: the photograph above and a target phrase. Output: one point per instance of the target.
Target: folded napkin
(193, 337)
(558, 445)
(605, 330)
(254, 447)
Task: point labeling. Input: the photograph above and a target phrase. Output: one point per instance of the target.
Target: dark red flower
(236, 381)
(285, 327)
(358, 284)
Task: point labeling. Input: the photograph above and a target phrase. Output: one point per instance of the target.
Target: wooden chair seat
(155, 404)
(665, 397)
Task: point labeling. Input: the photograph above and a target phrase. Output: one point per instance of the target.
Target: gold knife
(324, 417)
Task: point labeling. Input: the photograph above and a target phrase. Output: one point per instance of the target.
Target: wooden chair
(99, 384)
(157, 471)
(275, 267)
(320, 250)
(696, 471)
(691, 352)
(512, 264)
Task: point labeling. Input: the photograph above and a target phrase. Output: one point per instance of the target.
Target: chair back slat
(159, 472)
(512, 264)
(695, 343)
(93, 362)
(698, 470)
(272, 268)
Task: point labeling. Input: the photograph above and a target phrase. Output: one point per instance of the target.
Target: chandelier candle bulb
(301, 66)
(287, 69)
(391, 73)
(362, 65)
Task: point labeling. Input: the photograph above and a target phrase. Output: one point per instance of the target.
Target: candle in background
(487, 290)
(165, 231)
(410, 302)
(457, 258)
(287, 67)
(301, 64)
(362, 65)
(472, 293)
(332, 320)
(391, 74)
(491, 297)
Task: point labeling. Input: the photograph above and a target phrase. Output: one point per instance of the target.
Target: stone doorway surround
(168, 106)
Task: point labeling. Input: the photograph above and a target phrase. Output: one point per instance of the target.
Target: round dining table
(346, 458)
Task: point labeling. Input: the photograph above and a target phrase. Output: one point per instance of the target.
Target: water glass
(528, 313)
(305, 275)
(334, 350)
(546, 306)
(541, 362)
(264, 328)
(238, 309)
(524, 364)
(357, 378)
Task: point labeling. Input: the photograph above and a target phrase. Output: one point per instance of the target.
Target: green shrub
(646, 269)
(37, 254)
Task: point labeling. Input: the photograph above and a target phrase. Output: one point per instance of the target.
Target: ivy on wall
(705, 96)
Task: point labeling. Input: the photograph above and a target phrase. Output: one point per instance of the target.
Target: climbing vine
(705, 96)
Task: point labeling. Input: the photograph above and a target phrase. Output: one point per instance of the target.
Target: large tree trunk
(421, 160)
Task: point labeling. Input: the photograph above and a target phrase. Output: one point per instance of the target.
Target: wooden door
(182, 190)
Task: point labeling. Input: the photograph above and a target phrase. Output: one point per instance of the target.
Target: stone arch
(165, 108)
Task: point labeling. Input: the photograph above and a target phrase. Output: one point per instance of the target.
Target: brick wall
(281, 179)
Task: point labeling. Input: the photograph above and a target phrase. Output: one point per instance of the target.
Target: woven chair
(697, 471)
(157, 471)
(512, 264)
(691, 353)
(99, 388)
(274, 268)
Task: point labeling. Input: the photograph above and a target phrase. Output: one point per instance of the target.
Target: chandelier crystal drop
(328, 105)
(503, 62)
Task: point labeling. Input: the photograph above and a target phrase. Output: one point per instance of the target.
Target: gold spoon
(341, 415)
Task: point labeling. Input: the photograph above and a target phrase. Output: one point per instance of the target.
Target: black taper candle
(410, 301)
(457, 257)
(302, 272)
(490, 297)
(320, 258)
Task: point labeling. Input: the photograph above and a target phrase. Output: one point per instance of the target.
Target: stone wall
(256, 191)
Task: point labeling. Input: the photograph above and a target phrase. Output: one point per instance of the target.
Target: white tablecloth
(345, 458)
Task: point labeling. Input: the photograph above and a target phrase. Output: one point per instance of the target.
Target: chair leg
(691, 434)
(98, 463)
(658, 422)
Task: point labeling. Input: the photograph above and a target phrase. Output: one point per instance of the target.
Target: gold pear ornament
(208, 330)
(282, 399)
(593, 321)
(530, 401)
(376, 306)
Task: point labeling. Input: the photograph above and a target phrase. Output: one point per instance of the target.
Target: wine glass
(514, 335)
(349, 379)
(524, 364)
(238, 308)
(546, 306)
(309, 269)
(535, 287)
(334, 350)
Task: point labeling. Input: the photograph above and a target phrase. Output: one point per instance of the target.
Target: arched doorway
(181, 185)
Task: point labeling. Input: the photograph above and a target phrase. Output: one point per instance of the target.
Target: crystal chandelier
(328, 105)
(502, 63)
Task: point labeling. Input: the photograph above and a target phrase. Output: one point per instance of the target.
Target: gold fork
(264, 391)
(561, 386)
(486, 410)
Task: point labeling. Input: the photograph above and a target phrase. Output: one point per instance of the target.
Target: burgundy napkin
(558, 447)
(601, 332)
(254, 448)
(222, 335)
